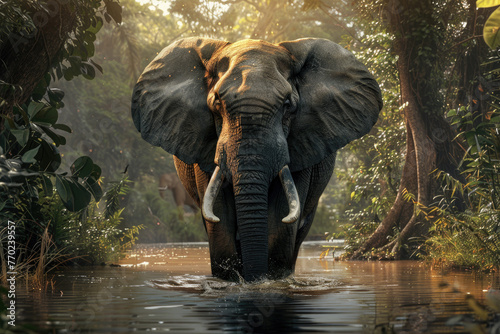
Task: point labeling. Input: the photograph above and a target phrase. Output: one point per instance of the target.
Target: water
(168, 288)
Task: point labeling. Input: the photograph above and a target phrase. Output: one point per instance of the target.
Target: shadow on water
(169, 289)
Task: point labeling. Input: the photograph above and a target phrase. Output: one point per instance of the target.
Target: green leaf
(88, 71)
(115, 11)
(73, 195)
(452, 112)
(495, 119)
(491, 30)
(96, 172)
(95, 189)
(58, 139)
(82, 167)
(63, 188)
(48, 157)
(96, 26)
(62, 127)
(487, 3)
(75, 61)
(47, 185)
(22, 136)
(47, 115)
(99, 67)
(55, 94)
(29, 156)
(34, 108)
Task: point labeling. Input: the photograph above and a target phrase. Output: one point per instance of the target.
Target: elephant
(254, 128)
(181, 197)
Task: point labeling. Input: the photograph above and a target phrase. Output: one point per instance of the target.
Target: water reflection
(175, 293)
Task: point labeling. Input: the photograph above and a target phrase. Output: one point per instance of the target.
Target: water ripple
(209, 286)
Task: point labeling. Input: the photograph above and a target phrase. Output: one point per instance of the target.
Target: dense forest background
(423, 183)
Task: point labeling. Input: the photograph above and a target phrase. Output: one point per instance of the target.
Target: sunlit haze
(162, 4)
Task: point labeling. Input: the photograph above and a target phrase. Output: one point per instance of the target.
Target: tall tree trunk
(417, 44)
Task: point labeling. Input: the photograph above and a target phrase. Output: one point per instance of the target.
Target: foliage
(29, 140)
(273, 21)
(470, 238)
(355, 235)
(92, 235)
(56, 213)
(492, 26)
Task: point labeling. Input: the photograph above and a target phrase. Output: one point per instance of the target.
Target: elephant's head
(251, 111)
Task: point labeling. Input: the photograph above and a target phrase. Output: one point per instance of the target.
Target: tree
(41, 35)
(424, 32)
(273, 21)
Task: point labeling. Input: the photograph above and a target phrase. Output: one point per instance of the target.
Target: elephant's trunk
(251, 199)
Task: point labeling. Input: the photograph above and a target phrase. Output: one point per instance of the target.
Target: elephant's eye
(287, 105)
(217, 104)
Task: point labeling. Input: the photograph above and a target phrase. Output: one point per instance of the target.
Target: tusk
(210, 196)
(291, 195)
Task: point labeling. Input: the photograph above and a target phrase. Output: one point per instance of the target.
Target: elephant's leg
(224, 258)
(320, 176)
(188, 179)
(282, 236)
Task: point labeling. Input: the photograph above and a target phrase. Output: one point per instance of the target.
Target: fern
(113, 196)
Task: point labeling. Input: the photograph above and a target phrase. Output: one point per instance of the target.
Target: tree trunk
(428, 134)
(25, 59)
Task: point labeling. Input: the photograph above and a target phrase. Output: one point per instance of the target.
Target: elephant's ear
(169, 102)
(339, 100)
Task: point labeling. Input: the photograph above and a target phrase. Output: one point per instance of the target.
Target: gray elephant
(172, 182)
(254, 129)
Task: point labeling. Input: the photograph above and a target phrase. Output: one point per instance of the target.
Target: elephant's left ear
(339, 100)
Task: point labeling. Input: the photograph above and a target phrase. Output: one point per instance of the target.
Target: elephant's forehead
(251, 67)
(253, 51)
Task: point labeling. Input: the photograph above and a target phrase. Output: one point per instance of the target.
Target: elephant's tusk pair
(215, 183)
(211, 193)
(291, 195)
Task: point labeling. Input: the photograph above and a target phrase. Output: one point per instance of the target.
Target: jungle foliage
(50, 207)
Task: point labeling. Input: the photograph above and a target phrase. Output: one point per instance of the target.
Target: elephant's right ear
(169, 103)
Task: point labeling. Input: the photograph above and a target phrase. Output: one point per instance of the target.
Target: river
(168, 288)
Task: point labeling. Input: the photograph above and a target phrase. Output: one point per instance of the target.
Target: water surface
(168, 288)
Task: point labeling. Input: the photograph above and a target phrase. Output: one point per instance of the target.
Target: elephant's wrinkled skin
(266, 120)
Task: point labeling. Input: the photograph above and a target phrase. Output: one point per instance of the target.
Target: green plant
(95, 235)
(470, 237)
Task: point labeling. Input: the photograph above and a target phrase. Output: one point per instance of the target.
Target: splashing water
(213, 287)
